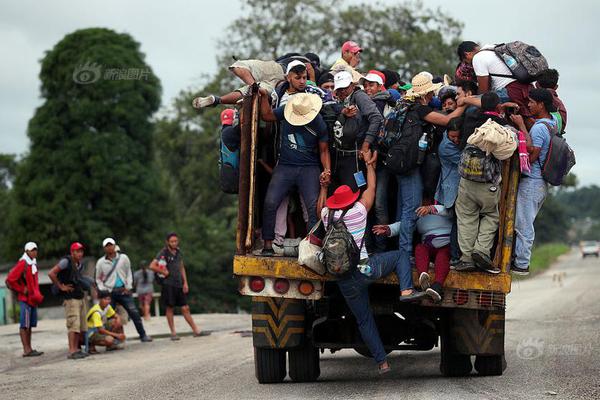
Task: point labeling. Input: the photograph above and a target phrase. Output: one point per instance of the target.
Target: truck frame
(298, 314)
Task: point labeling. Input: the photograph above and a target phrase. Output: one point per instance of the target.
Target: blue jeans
(284, 178)
(126, 300)
(355, 288)
(382, 214)
(410, 196)
(531, 196)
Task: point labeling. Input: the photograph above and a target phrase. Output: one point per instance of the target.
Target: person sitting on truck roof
(464, 70)
(304, 148)
(548, 79)
(349, 60)
(532, 186)
(266, 73)
(355, 286)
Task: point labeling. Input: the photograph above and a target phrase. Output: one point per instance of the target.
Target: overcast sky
(179, 40)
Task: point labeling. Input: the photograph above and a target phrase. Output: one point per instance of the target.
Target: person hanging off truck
(390, 131)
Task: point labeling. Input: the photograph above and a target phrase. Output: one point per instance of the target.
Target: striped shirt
(356, 222)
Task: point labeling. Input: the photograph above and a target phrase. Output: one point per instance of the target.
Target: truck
(298, 314)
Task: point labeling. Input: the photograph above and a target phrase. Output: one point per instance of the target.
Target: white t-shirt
(487, 62)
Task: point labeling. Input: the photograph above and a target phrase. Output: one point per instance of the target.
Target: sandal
(202, 333)
(175, 338)
(384, 368)
(33, 353)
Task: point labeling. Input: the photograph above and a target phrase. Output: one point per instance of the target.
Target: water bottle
(365, 269)
(509, 61)
(422, 148)
(162, 264)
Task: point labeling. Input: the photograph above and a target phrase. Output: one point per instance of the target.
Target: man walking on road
(23, 279)
(113, 274)
(169, 263)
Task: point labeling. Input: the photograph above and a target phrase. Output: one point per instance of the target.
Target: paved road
(553, 351)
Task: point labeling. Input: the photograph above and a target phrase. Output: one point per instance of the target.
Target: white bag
(309, 254)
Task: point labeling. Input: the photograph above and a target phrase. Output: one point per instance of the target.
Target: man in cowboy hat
(353, 208)
(303, 149)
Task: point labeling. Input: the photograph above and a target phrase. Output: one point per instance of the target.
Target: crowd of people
(111, 286)
(347, 139)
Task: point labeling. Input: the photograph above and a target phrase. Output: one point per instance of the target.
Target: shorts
(145, 298)
(75, 314)
(28, 317)
(96, 338)
(266, 73)
(172, 296)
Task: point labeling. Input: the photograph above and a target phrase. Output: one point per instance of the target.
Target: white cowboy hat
(302, 108)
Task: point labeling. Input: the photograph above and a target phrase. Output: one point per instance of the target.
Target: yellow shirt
(342, 65)
(95, 314)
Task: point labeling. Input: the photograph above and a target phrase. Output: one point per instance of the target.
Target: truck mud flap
(474, 332)
(277, 323)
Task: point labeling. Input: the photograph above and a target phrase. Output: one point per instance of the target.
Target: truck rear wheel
(269, 365)
(490, 365)
(304, 363)
(455, 364)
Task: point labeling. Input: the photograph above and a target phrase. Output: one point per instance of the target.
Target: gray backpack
(340, 252)
(524, 61)
(476, 166)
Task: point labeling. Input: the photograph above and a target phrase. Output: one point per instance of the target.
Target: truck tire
(269, 365)
(455, 364)
(490, 365)
(304, 363)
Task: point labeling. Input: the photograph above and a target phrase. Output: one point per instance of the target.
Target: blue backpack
(229, 168)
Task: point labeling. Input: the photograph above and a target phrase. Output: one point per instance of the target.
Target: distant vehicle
(590, 248)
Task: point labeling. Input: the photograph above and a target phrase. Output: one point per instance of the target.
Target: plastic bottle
(162, 263)
(365, 269)
(422, 148)
(509, 61)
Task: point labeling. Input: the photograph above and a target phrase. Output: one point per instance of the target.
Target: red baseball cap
(351, 46)
(227, 116)
(76, 246)
(342, 198)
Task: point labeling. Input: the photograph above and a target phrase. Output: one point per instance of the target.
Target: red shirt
(30, 282)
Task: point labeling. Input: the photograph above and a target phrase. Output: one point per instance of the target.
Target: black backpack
(559, 160)
(340, 252)
(229, 167)
(403, 155)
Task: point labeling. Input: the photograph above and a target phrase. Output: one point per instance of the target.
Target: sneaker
(465, 266)
(435, 292)
(484, 263)
(146, 339)
(201, 102)
(414, 297)
(519, 271)
(424, 281)
(267, 252)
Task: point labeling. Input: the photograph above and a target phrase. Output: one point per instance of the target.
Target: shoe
(33, 353)
(202, 102)
(146, 339)
(435, 296)
(484, 263)
(454, 262)
(384, 368)
(267, 252)
(85, 354)
(519, 271)
(465, 266)
(175, 338)
(424, 281)
(202, 333)
(414, 297)
(76, 356)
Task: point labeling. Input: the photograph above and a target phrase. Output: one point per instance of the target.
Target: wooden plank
(252, 175)
(286, 267)
(509, 217)
(244, 182)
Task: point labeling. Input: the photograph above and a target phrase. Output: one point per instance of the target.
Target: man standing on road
(113, 274)
(66, 277)
(169, 262)
(23, 279)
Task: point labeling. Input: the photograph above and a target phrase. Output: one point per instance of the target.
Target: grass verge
(544, 255)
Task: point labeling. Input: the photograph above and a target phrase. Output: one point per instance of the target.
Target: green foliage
(8, 166)
(552, 223)
(544, 255)
(88, 174)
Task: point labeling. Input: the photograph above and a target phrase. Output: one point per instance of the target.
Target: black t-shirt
(173, 265)
(423, 110)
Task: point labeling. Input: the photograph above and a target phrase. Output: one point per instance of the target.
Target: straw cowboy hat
(302, 108)
(422, 84)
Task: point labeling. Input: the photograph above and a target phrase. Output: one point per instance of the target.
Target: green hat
(310, 83)
(405, 87)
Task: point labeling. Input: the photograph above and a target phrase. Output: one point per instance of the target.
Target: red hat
(342, 198)
(227, 116)
(379, 74)
(76, 246)
(351, 46)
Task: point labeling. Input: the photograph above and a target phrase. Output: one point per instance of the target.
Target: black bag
(346, 130)
(559, 160)
(476, 166)
(330, 113)
(402, 158)
(392, 126)
(430, 174)
(229, 169)
(340, 252)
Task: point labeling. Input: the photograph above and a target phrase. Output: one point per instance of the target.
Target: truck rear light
(257, 284)
(485, 299)
(306, 288)
(460, 297)
(281, 286)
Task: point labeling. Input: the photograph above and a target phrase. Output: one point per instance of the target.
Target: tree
(88, 174)
(8, 166)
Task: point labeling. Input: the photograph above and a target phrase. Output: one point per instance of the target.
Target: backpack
(346, 130)
(229, 168)
(340, 252)
(392, 125)
(403, 155)
(524, 61)
(559, 160)
(330, 113)
(476, 166)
